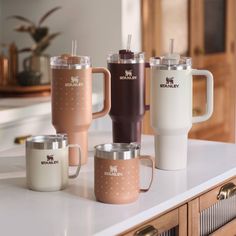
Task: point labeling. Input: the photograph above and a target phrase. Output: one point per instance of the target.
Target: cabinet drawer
(31, 126)
(214, 211)
(208, 199)
(171, 224)
(228, 230)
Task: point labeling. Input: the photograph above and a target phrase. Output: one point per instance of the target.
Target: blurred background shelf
(25, 91)
(22, 116)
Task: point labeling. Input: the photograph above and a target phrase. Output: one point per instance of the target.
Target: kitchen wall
(1, 21)
(100, 27)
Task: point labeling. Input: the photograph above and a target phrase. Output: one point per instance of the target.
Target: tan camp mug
(117, 175)
(47, 158)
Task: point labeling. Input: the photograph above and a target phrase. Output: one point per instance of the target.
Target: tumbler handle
(147, 107)
(152, 161)
(106, 91)
(73, 176)
(209, 95)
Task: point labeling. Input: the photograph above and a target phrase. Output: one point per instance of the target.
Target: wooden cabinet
(211, 46)
(171, 223)
(228, 229)
(205, 31)
(212, 213)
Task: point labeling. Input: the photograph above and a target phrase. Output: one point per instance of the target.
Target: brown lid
(125, 56)
(67, 61)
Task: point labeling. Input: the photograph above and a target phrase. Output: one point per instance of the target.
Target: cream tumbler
(171, 108)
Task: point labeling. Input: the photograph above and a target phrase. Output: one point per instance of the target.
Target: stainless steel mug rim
(117, 151)
(41, 142)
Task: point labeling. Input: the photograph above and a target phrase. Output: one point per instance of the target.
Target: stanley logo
(169, 83)
(113, 171)
(128, 75)
(74, 82)
(50, 160)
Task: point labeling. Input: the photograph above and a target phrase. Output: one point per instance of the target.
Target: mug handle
(26, 64)
(73, 176)
(152, 161)
(106, 92)
(209, 95)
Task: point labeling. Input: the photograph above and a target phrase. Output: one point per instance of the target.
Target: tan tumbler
(72, 100)
(117, 175)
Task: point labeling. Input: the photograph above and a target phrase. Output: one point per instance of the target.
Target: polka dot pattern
(116, 181)
(70, 99)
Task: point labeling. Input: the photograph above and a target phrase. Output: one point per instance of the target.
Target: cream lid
(171, 61)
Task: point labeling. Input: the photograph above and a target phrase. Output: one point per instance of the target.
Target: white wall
(95, 24)
(0, 21)
(99, 26)
(131, 23)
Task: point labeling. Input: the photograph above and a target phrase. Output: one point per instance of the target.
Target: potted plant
(36, 66)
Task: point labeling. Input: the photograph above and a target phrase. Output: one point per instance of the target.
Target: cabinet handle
(21, 139)
(147, 230)
(227, 191)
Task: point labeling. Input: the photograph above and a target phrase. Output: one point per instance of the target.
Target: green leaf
(24, 28)
(25, 50)
(39, 33)
(47, 14)
(21, 18)
(44, 43)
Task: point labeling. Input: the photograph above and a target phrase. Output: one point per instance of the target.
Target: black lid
(126, 54)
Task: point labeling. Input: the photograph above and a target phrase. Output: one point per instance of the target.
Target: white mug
(47, 159)
(171, 108)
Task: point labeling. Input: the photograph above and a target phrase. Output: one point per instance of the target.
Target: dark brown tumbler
(127, 95)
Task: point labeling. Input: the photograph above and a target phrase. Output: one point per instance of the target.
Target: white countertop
(13, 109)
(74, 210)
